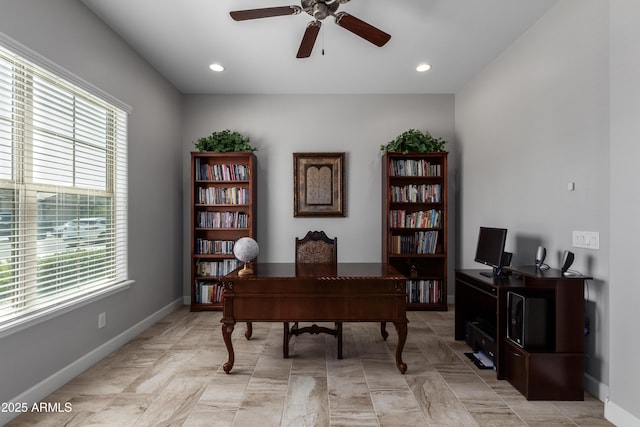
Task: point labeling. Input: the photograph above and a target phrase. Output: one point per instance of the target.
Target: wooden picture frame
(318, 184)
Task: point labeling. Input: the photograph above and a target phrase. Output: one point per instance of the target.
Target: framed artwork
(318, 184)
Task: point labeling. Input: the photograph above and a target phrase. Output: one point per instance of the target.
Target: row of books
(223, 220)
(228, 172)
(224, 196)
(420, 243)
(218, 247)
(414, 167)
(400, 218)
(413, 193)
(208, 292)
(216, 268)
(424, 291)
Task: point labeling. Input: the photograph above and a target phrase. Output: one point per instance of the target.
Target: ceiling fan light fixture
(218, 68)
(421, 68)
(320, 11)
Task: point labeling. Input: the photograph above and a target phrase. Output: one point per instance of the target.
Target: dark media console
(536, 331)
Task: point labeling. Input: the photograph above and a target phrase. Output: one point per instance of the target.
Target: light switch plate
(586, 239)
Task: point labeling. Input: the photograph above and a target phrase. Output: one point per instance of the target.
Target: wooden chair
(314, 248)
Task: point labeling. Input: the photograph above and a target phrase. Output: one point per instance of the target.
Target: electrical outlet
(586, 239)
(102, 320)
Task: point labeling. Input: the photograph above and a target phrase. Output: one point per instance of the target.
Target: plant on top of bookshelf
(414, 141)
(223, 142)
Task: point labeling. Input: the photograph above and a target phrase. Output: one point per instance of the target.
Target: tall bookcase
(414, 224)
(223, 209)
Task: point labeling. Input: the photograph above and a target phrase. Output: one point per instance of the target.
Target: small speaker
(541, 254)
(506, 259)
(567, 260)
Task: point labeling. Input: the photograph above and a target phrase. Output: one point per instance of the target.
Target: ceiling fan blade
(267, 12)
(362, 29)
(309, 39)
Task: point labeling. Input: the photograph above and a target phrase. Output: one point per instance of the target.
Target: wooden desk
(343, 292)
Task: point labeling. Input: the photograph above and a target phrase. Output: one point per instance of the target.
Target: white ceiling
(457, 37)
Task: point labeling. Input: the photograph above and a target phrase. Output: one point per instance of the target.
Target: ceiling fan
(319, 10)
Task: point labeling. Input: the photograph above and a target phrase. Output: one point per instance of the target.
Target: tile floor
(171, 375)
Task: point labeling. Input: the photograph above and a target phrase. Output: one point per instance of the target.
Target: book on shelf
(223, 196)
(208, 292)
(415, 167)
(420, 243)
(216, 268)
(400, 218)
(416, 193)
(217, 219)
(221, 172)
(214, 247)
(424, 291)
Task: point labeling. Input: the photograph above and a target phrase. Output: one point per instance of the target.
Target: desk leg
(401, 328)
(285, 341)
(249, 331)
(227, 329)
(339, 332)
(383, 330)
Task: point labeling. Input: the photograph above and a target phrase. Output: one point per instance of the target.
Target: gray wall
(281, 125)
(536, 119)
(65, 32)
(624, 213)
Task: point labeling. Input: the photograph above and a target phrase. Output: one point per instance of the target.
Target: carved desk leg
(401, 328)
(227, 329)
(249, 331)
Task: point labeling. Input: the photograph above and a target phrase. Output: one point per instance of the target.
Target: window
(63, 192)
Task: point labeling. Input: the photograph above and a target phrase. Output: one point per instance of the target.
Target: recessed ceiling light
(423, 67)
(216, 67)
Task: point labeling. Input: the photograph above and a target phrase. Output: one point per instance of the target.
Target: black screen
(490, 248)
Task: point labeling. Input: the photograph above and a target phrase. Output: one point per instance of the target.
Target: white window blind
(63, 192)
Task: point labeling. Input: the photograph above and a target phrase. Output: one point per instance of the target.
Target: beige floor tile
(171, 375)
(307, 402)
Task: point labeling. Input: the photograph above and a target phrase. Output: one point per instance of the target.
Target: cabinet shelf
(243, 229)
(404, 197)
(404, 229)
(392, 255)
(209, 181)
(213, 256)
(221, 205)
(216, 306)
(206, 164)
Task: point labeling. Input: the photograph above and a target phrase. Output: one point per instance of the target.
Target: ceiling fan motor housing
(320, 9)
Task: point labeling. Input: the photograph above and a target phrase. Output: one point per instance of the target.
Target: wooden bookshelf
(414, 224)
(223, 209)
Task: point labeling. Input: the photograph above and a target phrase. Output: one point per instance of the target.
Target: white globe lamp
(246, 249)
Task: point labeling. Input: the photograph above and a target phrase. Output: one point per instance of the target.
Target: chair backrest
(316, 248)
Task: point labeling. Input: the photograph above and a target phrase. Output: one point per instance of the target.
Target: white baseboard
(596, 388)
(618, 416)
(69, 372)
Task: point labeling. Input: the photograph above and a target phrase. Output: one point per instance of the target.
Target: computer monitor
(490, 249)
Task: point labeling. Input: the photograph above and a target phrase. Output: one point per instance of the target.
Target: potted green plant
(224, 141)
(414, 141)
